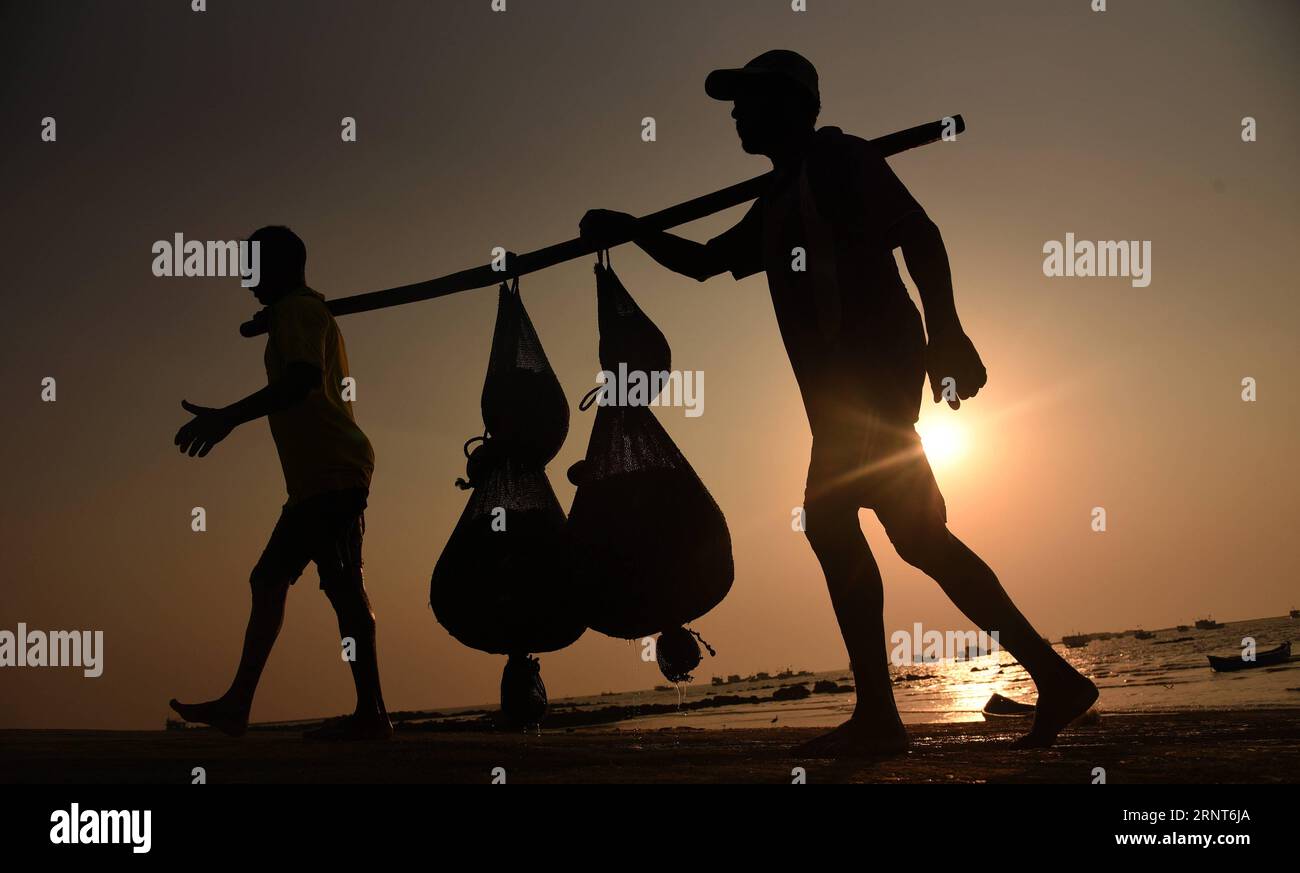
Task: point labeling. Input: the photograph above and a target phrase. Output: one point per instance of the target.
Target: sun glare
(944, 440)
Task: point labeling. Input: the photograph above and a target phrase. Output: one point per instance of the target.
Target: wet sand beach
(1250, 746)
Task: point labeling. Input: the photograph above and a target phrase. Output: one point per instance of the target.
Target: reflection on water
(1133, 675)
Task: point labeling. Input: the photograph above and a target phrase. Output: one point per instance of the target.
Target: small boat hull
(1004, 707)
(1279, 655)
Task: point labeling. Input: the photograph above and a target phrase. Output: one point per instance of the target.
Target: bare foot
(352, 728)
(857, 739)
(1058, 705)
(229, 718)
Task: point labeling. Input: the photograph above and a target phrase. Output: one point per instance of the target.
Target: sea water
(1133, 675)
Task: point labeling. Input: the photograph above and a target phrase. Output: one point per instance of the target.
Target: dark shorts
(868, 461)
(325, 529)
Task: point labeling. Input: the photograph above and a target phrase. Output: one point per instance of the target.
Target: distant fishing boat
(1182, 627)
(1140, 634)
(1004, 707)
(1207, 624)
(1295, 613)
(1075, 641)
(1279, 655)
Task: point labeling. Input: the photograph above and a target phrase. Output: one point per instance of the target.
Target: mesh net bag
(523, 694)
(677, 651)
(524, 407)
(502, 583)
(651, 549)
(628, 337)
(508, 591)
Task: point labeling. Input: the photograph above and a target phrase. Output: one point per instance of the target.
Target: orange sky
(478, 130)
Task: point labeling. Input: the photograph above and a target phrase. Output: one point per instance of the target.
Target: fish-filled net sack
(651, 549)
(523, 694)
(525, 411)
(677, 651)
(628, 338)
(502, 583)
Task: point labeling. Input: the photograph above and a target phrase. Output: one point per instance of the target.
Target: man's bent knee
(347, 594)
(267, 582)
(921, 544)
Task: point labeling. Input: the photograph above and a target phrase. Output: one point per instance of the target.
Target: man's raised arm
(211, 425)
(684, 256)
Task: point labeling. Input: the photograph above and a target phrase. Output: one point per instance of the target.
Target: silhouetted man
(327, 463)
(824, 233)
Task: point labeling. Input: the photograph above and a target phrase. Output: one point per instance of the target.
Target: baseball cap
(775, 65)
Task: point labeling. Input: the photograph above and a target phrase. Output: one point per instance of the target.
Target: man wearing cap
(824, 233)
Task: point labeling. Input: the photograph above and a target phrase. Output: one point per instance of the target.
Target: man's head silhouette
(776, 100)
(282, 258)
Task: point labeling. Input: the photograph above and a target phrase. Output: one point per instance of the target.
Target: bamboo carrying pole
(530, 262)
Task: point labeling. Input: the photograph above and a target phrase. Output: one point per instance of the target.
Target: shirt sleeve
(298, 329)
(863, 189)
(740, 249)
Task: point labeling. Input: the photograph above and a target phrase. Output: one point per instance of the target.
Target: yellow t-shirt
(320, 446)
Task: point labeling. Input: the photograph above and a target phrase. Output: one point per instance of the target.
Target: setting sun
(945, 440)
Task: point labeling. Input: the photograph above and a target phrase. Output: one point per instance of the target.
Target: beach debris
(911, 677)
(797, 691)
(1004, 707)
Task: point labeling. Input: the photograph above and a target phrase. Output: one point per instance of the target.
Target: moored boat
(1207, 624)
(1075, 641)
(1279, 655)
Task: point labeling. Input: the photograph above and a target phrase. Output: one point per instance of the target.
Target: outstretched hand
(606, 226)
(952, 356)
(208, 427)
